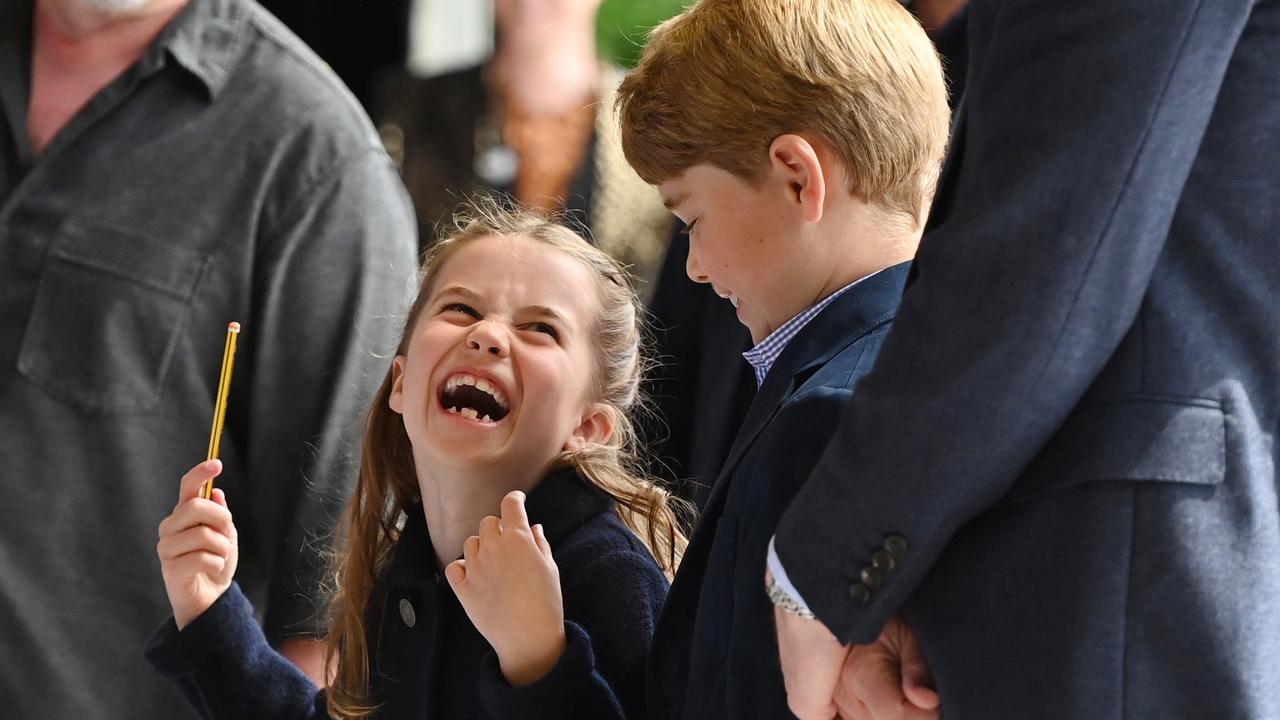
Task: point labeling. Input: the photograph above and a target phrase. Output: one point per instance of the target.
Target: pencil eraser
(233, 327)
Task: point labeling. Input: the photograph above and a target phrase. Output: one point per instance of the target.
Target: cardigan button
(407, 614)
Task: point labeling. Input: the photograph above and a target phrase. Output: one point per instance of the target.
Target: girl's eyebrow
(460, 290)
(546, 312)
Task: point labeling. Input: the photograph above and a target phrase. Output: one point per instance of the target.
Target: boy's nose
(488, 336)
(694, 271)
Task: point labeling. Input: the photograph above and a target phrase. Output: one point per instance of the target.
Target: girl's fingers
(196, 477)
(470, 547)
(456, 573)
(490, 527)
(514, 516)
(201, 538)
(540, 537)
(197, 563)
(199, 512)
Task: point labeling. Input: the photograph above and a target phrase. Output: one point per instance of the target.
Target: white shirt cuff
(780, 577)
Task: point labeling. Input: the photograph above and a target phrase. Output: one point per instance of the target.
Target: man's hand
(812, 659)
(888, 679)
(509, 586)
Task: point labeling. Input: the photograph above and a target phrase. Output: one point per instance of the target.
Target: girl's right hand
(197, 548)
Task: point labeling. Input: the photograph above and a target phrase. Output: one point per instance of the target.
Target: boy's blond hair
(718, 83)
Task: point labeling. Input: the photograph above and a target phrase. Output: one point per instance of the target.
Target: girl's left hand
(510, 588)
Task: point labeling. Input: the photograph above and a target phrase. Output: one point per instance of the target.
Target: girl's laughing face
(500, 362)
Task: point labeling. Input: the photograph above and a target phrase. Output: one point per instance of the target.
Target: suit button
(882, 561)
(896, 545)
(860, 593)
(407, 614)
(870, 577)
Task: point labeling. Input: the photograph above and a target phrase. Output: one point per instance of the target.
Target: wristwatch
(783, 601)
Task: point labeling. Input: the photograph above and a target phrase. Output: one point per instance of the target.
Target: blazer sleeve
(226, 670)
(1080, 124)
(602, 672)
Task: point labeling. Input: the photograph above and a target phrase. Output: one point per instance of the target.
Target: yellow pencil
(220, 406)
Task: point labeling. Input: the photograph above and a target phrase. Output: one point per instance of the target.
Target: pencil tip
(233, 327)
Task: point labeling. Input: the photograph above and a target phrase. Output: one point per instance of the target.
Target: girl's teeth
(469, 413)
(468, 380)
(453, 410)
(486, 419)
(484, 386)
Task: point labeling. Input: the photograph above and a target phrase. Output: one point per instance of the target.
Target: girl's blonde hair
(387, 487)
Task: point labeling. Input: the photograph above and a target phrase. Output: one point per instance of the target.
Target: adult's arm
(330, 280)
(1080, 126)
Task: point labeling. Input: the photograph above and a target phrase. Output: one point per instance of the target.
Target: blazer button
(882, 561)
(860, 593)
(896, 545)
(870, 577)
(407, 614)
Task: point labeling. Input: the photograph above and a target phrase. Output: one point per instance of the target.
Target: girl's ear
(595, 429)
(396, 399)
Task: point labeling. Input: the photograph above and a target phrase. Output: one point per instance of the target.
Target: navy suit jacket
(1072, 425)
(714, 654)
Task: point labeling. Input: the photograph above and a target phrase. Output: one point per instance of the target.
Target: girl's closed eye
(463, 308)
(544, 328)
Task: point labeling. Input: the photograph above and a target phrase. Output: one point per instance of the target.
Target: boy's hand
(888, 679)
(198, 546)
(811, 660)
(510, 588)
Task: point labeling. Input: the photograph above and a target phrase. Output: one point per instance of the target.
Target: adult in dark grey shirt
(221, 174)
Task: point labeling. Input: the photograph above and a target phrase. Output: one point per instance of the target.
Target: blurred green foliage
(622, 26)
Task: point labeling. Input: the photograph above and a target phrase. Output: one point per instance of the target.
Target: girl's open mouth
(474, 398)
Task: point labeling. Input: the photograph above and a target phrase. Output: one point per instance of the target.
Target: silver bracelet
(783, 601)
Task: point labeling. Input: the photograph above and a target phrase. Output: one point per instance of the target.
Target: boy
(800, 142)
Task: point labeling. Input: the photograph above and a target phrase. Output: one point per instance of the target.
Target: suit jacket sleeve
(1080, 125)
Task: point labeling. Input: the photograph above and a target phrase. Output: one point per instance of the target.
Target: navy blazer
(1072, 428)
(426, 658)
(714, 653)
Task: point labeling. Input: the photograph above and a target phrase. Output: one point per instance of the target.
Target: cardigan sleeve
(226, 669)
(601, 674)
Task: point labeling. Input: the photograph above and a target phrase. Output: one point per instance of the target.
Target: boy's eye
(688, 227)
(461, 308)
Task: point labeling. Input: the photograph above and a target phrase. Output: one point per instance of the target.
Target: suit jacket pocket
(106, 317)
(1133, 439)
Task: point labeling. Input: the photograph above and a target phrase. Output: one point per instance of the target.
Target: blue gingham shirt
(762, 357)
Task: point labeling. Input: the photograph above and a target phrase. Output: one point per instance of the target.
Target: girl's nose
(489, 336)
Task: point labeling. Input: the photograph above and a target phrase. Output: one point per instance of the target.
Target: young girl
(492, 563)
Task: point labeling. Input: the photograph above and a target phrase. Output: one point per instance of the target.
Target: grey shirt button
(860, 593)
(407, 614)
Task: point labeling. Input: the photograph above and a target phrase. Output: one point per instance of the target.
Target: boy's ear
(396, 398)
(595, 429)
(795, 160)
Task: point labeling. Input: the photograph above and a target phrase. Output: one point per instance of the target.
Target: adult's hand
(812, 660)
(887, 679)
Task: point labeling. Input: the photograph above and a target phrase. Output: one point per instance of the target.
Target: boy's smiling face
(745, 241)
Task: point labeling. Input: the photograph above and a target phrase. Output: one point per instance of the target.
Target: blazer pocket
(1136, 439)
(106, 317)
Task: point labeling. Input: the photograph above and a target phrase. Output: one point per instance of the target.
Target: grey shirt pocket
(106, 317)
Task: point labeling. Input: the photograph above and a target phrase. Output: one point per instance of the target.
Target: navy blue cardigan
(426, 658)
